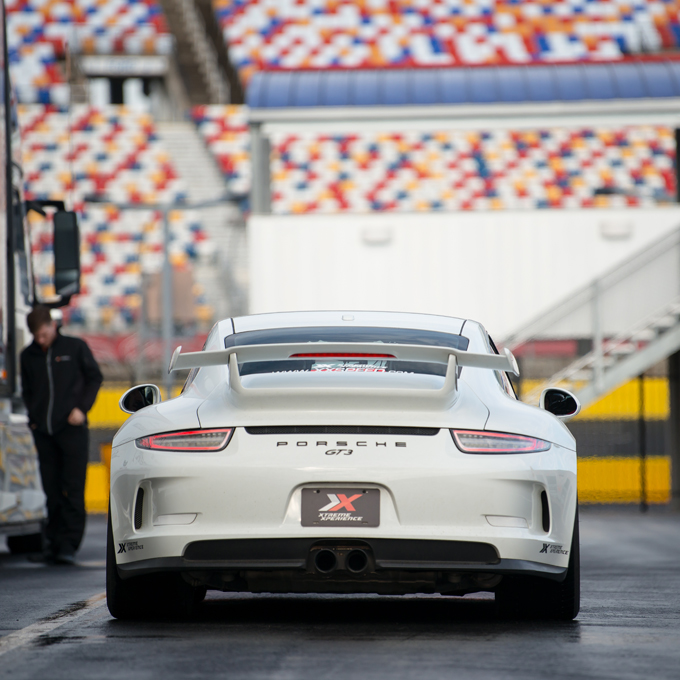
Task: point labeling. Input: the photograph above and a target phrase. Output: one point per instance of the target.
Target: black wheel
(29, 543)
(538, 598)
(150, 596)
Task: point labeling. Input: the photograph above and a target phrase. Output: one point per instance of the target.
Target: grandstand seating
(445, 170)
(225, 131)
(294, 34)
(117, 153)
(471, 170)
(39, 30)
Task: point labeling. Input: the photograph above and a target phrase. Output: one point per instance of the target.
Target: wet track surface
(56, 626)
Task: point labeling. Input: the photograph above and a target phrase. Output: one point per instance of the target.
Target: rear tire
(538, 598)
(152, 596)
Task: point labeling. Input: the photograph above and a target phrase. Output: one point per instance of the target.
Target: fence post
(598, 364)
(260, 159)
(676, 135)
(673, 439)
(167, 321)
(642, 440)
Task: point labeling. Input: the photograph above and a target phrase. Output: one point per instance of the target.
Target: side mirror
(66, 254)
(560, 403)
(139, 397)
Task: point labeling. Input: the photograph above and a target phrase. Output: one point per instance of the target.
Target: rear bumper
(236, 516)
(296, 555)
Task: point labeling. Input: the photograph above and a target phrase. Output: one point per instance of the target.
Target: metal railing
(593, 374)
(629, 300)
(166, 287)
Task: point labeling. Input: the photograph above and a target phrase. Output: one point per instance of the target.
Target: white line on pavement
(26, 635)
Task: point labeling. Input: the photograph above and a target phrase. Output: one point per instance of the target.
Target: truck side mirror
(66, 254)
(139, 397)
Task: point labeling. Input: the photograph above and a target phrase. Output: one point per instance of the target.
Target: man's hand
(76, 417)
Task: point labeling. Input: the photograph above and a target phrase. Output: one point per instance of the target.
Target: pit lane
(55, 625)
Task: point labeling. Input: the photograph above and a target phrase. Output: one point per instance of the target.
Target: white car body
(449, 521)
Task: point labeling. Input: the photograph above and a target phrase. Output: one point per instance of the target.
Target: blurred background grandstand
(535, 143)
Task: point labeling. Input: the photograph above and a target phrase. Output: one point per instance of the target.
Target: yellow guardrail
(620, 404)
(97, 488)
(600, 480)
(623, 403)
(618, 480)
(106, 414)
(98, 481)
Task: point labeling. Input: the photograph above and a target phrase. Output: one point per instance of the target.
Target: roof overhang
(661, 111)
(630, 92)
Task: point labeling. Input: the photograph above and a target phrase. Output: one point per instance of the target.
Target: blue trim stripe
(484, 85)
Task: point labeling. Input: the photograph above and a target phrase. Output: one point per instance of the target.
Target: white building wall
(500, 268)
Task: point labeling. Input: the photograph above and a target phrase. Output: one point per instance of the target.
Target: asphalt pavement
(55, 623)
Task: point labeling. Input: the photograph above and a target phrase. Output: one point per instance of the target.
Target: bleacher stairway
(199, 63)
(631, 314)
(224, 277)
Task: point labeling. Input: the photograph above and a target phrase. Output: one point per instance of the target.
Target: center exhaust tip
(357, 561)
(325, 561)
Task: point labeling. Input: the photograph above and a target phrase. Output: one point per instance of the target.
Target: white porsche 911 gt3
(344, 452)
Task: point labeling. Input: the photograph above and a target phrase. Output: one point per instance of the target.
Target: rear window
(402, 336)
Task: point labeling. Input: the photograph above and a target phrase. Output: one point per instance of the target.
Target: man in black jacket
(60, 379)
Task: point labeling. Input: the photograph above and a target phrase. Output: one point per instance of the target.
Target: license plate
(340, 507)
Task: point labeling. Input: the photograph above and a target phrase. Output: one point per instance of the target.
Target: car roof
(256, 322)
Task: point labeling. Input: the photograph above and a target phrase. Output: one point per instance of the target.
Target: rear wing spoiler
(342, 350)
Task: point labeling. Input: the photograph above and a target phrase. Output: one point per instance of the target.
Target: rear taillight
(475, 441)
(187, 440)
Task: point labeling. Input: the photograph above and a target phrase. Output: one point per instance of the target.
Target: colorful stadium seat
(450, 170)
(225, 131)
(116, 153)
(322, 34)
(38, 32)
(473, 170)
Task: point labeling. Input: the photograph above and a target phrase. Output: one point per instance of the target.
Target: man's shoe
(41, 558)
(65, 558)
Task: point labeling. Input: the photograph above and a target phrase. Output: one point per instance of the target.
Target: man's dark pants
(63, 465)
